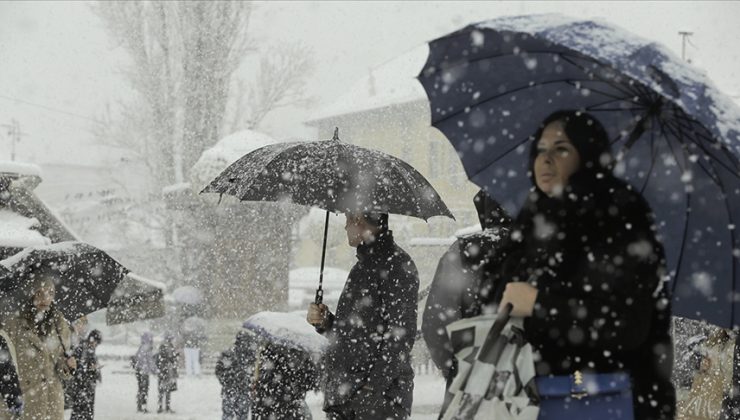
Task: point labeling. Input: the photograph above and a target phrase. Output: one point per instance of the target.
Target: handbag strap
(492, 347)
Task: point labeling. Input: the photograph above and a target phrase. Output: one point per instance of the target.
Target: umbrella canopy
(677, 137)
(136, 298)
(286, 329)
(331, 175)
(85, 277)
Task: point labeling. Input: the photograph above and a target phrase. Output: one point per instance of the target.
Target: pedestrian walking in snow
(166, 360)
(584, 268)
(40, 335)
(367, 364)
(10, 387)
(234, 372)
(194, 337)
(144, 365)
(86, 376)
(455, 290)
(282, 378)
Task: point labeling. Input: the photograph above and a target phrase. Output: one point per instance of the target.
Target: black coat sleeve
(443, 307)
(608, 300)
(9, 383)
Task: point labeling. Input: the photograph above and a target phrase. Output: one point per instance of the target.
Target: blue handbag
(586, 396)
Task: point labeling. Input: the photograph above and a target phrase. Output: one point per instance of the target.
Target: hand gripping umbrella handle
(320, 291)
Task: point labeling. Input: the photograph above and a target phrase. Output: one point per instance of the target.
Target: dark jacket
(372, 333)
(454, 291)
(10, 388)
(166, 360)
(87, 373)
(225, 370)
(599, 269)
(285, 376)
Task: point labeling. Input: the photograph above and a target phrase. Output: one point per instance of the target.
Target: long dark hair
(588, 136)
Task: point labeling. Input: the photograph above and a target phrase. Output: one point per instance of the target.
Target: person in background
(225, 371)
(143, 364)
(166, 373)
(86, 376)
(40, 335)
(283, 376)
(455, 289)
(10, 387)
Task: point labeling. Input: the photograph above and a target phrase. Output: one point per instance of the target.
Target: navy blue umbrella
(677, 138)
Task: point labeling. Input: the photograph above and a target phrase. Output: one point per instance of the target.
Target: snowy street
(200, 399)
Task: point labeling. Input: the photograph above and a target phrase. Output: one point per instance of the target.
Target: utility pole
(14, 132)
(684, 39)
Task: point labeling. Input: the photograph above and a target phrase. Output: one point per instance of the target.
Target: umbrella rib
(508, 92)
(707, 152)
(678, 133)
(489, 164)
(652, 162)
(618, 87)
(682, 117)
(734, 265)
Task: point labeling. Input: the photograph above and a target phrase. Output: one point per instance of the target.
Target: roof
(391, 83)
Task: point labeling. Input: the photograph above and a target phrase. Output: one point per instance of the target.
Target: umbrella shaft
(320, 291)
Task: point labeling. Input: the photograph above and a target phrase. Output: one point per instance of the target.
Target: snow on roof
(391, 83)
(286, 329)
(18, 231)
(225, 152)
(17, 168)
(308, 278)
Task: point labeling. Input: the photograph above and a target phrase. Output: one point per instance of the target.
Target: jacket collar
(381, 246)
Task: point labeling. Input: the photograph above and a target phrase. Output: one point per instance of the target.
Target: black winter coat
(87, 374)
(454, 292)
(373, 331)
(9, 383)
(601, 306)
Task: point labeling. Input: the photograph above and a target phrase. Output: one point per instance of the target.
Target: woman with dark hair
(584, 268)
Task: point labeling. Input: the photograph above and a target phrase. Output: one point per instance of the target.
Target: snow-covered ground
(200, 399)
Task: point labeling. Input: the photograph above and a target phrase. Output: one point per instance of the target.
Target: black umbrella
(677, 136)
(331, 175)
(85, 277)
(135, 298)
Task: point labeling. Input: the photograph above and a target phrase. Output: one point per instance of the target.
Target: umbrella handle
(320, 291)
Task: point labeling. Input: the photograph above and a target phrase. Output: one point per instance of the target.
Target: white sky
(57, 55)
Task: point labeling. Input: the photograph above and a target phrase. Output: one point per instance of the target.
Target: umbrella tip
(336, 133)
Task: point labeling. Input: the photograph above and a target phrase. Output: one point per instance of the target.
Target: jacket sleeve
(443, 307)
(611, 303)
(9, 382)
(397, 292)
(64, 334)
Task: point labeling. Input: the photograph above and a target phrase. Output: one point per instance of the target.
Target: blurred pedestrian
(368, 361)
(144, 365)
(166, 359)
(40, 335)
(86, 376)
(455, 290)
(283, 376)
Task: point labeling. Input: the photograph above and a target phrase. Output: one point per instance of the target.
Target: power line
(49, 108)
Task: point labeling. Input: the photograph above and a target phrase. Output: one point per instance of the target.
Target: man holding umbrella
(367, 364)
